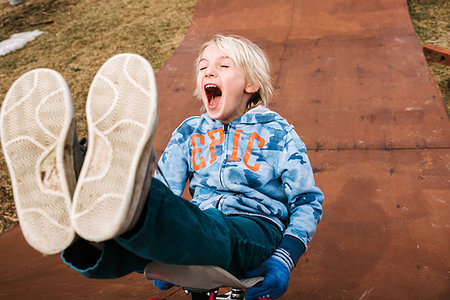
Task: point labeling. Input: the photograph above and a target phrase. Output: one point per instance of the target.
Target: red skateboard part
(437, 54)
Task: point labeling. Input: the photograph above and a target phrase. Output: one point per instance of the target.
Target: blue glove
(163, 285)
(276, 275)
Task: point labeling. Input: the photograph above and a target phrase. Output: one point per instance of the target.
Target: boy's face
(222, 86)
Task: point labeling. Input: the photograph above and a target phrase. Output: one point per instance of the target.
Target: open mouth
(213, 93)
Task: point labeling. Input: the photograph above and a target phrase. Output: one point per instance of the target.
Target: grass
(82, 34)
(431, 21)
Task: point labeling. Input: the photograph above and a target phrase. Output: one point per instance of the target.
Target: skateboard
(201, 282)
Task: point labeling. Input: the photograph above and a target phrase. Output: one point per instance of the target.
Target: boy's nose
(210, 73)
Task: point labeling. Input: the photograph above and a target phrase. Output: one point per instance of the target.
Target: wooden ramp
(351, 76)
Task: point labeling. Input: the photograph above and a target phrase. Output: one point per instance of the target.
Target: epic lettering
(217, 137)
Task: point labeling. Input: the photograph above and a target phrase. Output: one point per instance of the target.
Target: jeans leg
(174, 231)
(112, 261)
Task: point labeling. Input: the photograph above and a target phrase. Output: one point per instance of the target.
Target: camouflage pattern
(256, 165)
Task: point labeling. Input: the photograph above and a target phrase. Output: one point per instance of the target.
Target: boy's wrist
(283, 256)
(290, 250)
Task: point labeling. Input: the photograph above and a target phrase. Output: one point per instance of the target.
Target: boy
(255, 205)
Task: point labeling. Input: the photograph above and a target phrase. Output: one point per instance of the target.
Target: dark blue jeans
(172, 230)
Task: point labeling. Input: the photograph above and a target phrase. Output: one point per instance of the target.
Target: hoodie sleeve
(304, 199)
(173, 165)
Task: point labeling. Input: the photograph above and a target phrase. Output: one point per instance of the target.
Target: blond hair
(250, 58)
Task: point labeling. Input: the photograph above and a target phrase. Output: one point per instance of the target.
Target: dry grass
(431, 21)
(80, 36)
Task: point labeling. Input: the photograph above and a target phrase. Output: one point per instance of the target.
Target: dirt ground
(80, 35)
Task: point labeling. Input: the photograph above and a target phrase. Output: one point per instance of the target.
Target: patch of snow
(17, 41)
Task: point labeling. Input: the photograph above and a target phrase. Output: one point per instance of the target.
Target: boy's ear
(250, 89)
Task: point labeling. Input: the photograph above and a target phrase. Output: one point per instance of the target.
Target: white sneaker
(122, 112)
(38, 134)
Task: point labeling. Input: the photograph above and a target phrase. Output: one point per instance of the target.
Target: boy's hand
(276, 279)
(162, 285)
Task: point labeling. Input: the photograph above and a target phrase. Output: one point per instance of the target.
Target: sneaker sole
(122, 113)
(37, 133)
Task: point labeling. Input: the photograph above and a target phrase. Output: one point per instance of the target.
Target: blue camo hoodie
(256, 165)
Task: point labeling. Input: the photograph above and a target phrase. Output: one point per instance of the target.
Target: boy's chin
(214, 116)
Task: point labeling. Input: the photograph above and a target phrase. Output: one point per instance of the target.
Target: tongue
(215, 100)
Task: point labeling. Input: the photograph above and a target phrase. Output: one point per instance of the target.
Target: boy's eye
(224, 66)
(202, 68)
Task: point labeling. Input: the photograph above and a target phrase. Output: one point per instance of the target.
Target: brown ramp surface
(351, 76)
